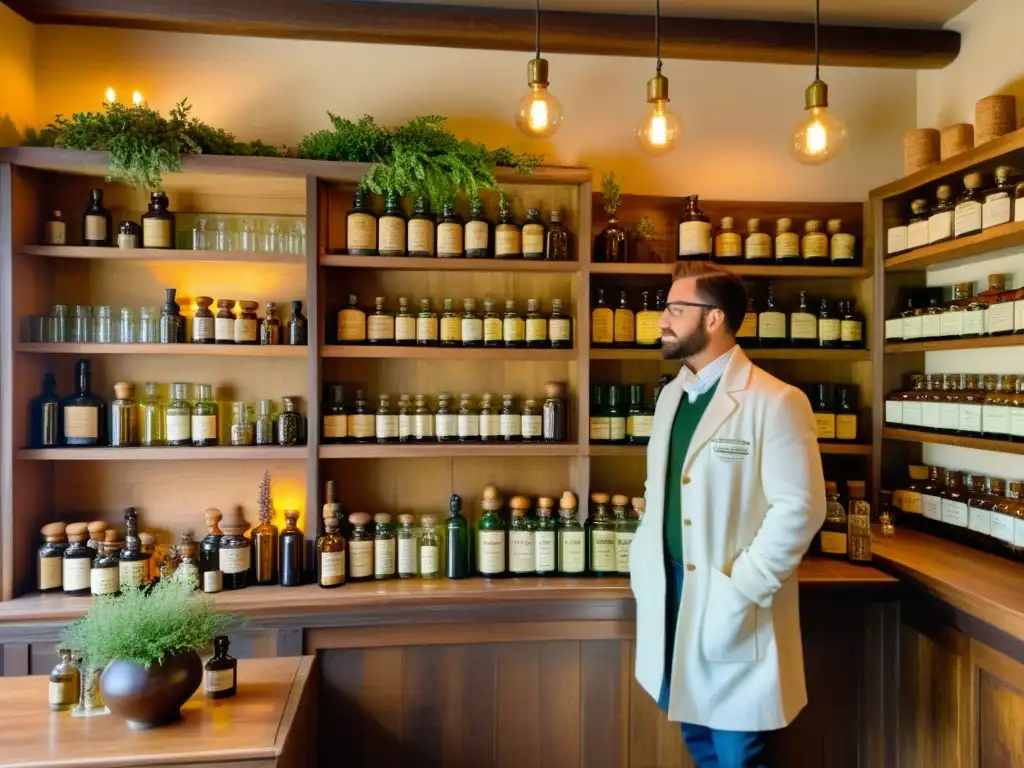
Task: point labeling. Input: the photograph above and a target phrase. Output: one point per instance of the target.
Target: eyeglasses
(676, 308)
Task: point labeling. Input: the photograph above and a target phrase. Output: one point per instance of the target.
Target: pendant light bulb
(660, 129)
(539, 113)
(821, 135)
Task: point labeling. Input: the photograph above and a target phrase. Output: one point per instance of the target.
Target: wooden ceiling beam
(511, 30)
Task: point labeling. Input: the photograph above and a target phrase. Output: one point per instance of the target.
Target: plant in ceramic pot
(643, 238)
(611, 244)
(148, 639)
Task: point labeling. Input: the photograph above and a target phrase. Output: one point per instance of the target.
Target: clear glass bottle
(385, 421)
(446, 426)
(205, 428)
(625, 528)
(832, 538)
(380, 325)
(221, 671)
(82, 326)
(559, 327)
(408, 547)
(429, 548)
(405, 324)
(152, 417)
(426, 325)
(179, 416)
(65, 687)
(493, 325)
(291, 426)
(510, 421)
(490, 420)
(967, 214)
(172, 324)
(58, 328)
(383, 547)
(450, 233)
(513, 328)
(522, 550)
(270, 328)
(478, 231)
(297, 330)
(545, 538)
(224, 323)
(235, 554)
(491, 548)
(422, 421)
(265, 423)
(404, 419)
(554, 416)
(600, 530)
(451, 326)
(124, 426)
(104, 330)
(362, 421)
(472, 330)
(243, 431)
(859, 523)
(360, 547)
(457, 560)
(532, 422)
(572, 546)
(468, 420)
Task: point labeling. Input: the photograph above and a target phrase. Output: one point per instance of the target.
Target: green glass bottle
(522, 550)
(640, 419)
(572, 546)
(626, 523)
(545, 536)
(600, 426)
(491, 537)
(600, 529)
(456, 542)
(616, 411)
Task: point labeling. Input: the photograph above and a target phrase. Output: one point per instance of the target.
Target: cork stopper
(147, 539)
(812, 226)
(291, 515)
(491, 492)
(834, 226)
(554, 389)
(407, 519)
(249, 306)
(944, 192)
(783, 225)
(638, 503)
(831, 488)
(599, 498)
(382, 518)
(545, 502)
(568, 500)
(359, 518)
(213, 516)
(726, 223)
(972, 180)
(620, 500)
(54, 531)
(753, 226)
(233, 527)
(124, 390)
(428, 521)
(110, 535)
(112, 546)
(519, 502)
(919, 206)
(96, 529)
(855, 488)
(77, 532)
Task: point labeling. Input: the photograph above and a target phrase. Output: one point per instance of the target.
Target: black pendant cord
(537, 23)
(657, 33)
(817, 48)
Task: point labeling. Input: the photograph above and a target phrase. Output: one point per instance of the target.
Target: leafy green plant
(644, 228)
(143, 144)
(147, 625)
(612, 193)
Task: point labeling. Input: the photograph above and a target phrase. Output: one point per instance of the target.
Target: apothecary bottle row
(422, 234)
(926, 315)
(451, 328)
(465, 419)
(191, 417)
(976, 206)
(846, 532)
(974, 405)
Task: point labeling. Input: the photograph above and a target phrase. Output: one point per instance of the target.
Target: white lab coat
(753, 497)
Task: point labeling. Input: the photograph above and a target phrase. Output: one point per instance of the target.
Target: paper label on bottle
(491, 552)
(133, 573)
(1000, 317)
(386, 425)
(213, 581)
(245, 330)
(544, 544)
(469, 425)
(522, 553)
(203, 328)
(969, 419)
(894, 329)
(913, 327)
(622, 541)
(952, 324)
(949, 416)
(694, 238)
(803, 325)
(639, 425)
(533, 240)
(380, 327)
(967, 218)
(893, 411)
(747, 329)
(787, 245)
(492, 329)
(384, 557)
(825, 423)
(602, 326)
(95, 228)
(979, 520)
(600, 428)
(449, 240)
(532, 425)
(472, 329)
(833, 543)
(624, 326)
(513, 329)
(828, 330)
(224, 329)
(1002, 527)
(451, 329)
(917, 234)
(407, 555)
(602, 551)
(617, 428)
(477, 236)
(508, 241)
(361, 425)
(1017, 422)
(995, 420)
(910, 502)
(81, 421)
(851, 331)
(940, 226)
(954, 513)
(422, 425)
(843, 247)
(931, 326)
(570, 551)
(179, 427)
(846, 426)
(536, 329)
(421, 236)
(429, 560)
(728, 245)
(51, 572)
(446, 425)
(360, 559)
(490, 425)
(974, 322)
(912, 413)
(61, 693)
(234, 559)
(156, 233)
(361, 232)
(76, 573)
(55, 233)
(931, 507)
(204, 427)
(426, 329)
(771, 325)
(336, 426)
(931, 415)
(758, 246)
(996, 210)
(405, 328)
(896, 240)
(391, 234)
(218, 680)
(404, 426)
(815, 245)
(104, 581)
(560, 329)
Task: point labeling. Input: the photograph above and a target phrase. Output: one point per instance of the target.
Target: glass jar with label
(408, 547)
(450, 234)
(404, 418)
(832, 536)
(446, 421)
(513, 327)
(967, 214)
(477, 232)
(533, 235)
(361, 546)
(949, 405)
(1001, 513)
(426, 325)
(96, 221)
(617, 415)
(422, 421)
(420, 237)
(823, 406)
(430, 548)
(913, 402)
(361, 226)
(648, 334)
(235, 554)
(851, 326)
(554, 416)
(694, 232)
(380, 325)
(625, 529)
(510, 421)
(975, 318)
(265, 424)
(224, 323)
(602, 322)
(391, 228)
(50, 558)
(361, 421)
(247, 324)
(624, 323)
(969, 404)
(912, 321)
(204, 417)
(814, 244)
(858, 517)
(77, 565)
(384, 560)
(179, 416)
(493, 325)
(940, 220)
(351, 322)
(335, 419)
(954, 500)
(158, 223)
(468, 420)
(997, 203)
(508, 238)
(472, 325)
(522, 551)
(995, 411)
(385, 421)
(829, 326)
(451, 326)
(545, 538)
(203, 323)
(600, 530)
(847, 416)
(640, 419)
(757, 247)
(124, 427)
(270, 327)
(243, 432)
(803, 325)
(931, 319)
(979, 510)
(491, 549)
(787, 243)
(842, 245)
(55, 230)
(532, 423)
(572, 546)
(557, 240)
(917, 227)
(490, 419)
(560, 327)
(728, 243)
(291, 426)
(931, 403)
(405, 324)
(536, 326)
(771, 322)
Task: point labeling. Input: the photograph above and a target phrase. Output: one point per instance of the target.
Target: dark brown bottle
(133, 562)
(158, 223)
(77, 565)
(221, 671)
(330, 552)
(235, 554)
(291, 544)
(50, 564)
(829, 326)
(694, 232)
(96, 221)
(298, 330)
(557, 240)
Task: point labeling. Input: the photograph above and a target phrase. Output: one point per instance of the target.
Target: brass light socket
(537, 72)
(657, 89)
(816, 95)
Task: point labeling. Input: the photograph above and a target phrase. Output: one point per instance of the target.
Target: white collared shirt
(696, 384)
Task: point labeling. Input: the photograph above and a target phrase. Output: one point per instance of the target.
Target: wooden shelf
(447, 353)
(997, 238)
(448, 265)
(834, 449)
(156, 254)
(979, 443)
(448, 450)
(201, 350)
(852, 273)
(824, 355)
(985, 342)
(166, 453)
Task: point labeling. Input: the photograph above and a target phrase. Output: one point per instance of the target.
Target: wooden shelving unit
(155, 254)
(1006, 236)
(938, 345)
(369, 352)
(165, 350)
(938, 438)
(770, 271)
(820, 355)
(167, 453)
(449, 450)
(448, 265)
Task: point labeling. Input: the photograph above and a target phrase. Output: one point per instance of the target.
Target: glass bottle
(814, 244)
(970, 400)
(846, 412)
(352, 323)
(124, 429)
(940, 221)
(832, 538)
(446, 422)
(508, 238)
(557, 240)
(450, 234)
(408, 547)
(335, 420)
(96, 221)
(330, 552)
(602, 322)
(490, 420)
(510, 422)
(559, 327)
(949, 405)
(979, 510)
(533, 235)
(360, 548)
(83, 413)
(624, 323)
(380, 326)
(362, 422)
(545, 538)
(842, 245)
(82, 325)
(420, 238)
(728, 243)
(532, 423)
(221, 671)
(554, 419)
(600, 423)
(746, 334)
(913, 402)
(1004, 514)
(172, 324)
(45, 415)
(648, 334)
(917, 228)
(997, 202)
(290, 548)
(456, 541)
(803, 326)
(426, 325)
(243, 431)
(77, 566)
(386, 421)
(536, 326)
(600, 529)
(694, 231)
(771, 322)
(204, 417)
(188, 570)
(829, 327)
(472, 325)
(133, 562)
(203, 323)
(297, 330)
(513, 328)
(383, 547)
(264, 426)
(50, 558)
(405, 428)
(492, 324)
(361, 226)
(65, 683)
(224, 323)
(468, 420)
(477, 231)
(235, 554)
(571, 538)
(851, 326)
(859, 524)
(625, 528)
(264, 549)
(158, 223)
(179, 416)
(405, 324)
(55, 230)
(422, 421)
(104, 330)
(391, 228)
(931, 399)
(430, 546)
(270, 328)
(58, 324)
(954, 501)
(1016, 403)
(995, 410)
(787, 243)
(522, 551)
(617, 414)
(209, 546)
(491, 539)
(640, 419)
(967, 214)
(757, 247)
(451, 326)
(247, 324)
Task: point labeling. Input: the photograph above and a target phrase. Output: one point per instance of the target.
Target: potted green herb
(643, 239)
(148, 641)
(611, 244)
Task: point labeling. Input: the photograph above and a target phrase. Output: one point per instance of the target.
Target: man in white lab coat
(735, 494)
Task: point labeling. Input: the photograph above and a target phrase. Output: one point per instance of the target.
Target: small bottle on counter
(571, 538)
(221, 671)
(457, 549)
(330, 552)
(429, 549)
(545, 538)
(65, 687)
(491, 539)
(360, 548)
(522, 553)
(408, 546)
(859, 520)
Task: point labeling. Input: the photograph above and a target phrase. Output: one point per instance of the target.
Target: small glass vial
(360, 547)
(297, 330)
(404, 419)
(265, 423)
(242, 430)
(422, 421)
(270, 328)
(380, 325)
(536, 326)
(65, 681)
(625, 528)
(571, 538)
(221, 671)
(386, 421)
(179, 416)
(451, 326)
(510, 423)
(513, 328)
(446, 424)
(246, 329)
(405, 324)
(77, 565)
(235, 555)
(522, 553)
(532, 423)
(554, 417)
(533, 235)
(104, 331)
(859, 521)
(472, 325)
(290, 424)
(224, 323)
(149, 326)
(545, 538)
(468, 420)
(152, 417)
(204, 417)
(383, 547)
(362, 421)
(55, 231)
(330, 552)
(408, 545)
(430, 548)
(967, 214)
(493, 326)
(490, 420)
(426, 325)
(203, 322)
(600, 528)
(124, 424)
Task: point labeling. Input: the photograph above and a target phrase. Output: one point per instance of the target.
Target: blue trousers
(708, 747)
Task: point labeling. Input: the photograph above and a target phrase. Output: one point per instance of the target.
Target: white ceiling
(890, 13)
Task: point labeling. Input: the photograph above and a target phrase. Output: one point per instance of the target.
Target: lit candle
(111, 96)
(136, 98)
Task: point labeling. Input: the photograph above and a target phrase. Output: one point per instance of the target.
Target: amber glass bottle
(602, 322)
(221, 671)
(330, 552)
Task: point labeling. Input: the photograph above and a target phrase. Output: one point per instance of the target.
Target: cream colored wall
(737, 116)
(17, 74)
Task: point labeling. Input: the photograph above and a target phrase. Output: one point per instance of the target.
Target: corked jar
(50, 562)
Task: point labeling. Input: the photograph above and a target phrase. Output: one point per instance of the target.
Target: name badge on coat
(730, 450)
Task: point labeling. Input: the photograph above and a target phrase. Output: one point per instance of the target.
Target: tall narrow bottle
(456, 556)
(45, 416)
(133, 562)
(491, 549)
(96, 221)
(83, 413)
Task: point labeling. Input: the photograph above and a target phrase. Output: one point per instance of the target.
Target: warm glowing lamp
(137, 98)
(659, 131)
(111, 96)
(538, 113)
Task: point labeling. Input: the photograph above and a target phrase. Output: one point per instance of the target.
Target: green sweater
(688, 416)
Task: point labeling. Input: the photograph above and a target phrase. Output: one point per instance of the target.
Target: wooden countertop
(984, 586)
(815, 574)
(252, 726)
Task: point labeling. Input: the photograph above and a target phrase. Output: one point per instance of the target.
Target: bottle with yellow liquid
(625, 323)
(648, 334)
(602, 322)
(352, 323)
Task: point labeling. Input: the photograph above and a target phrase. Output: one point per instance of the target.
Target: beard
(675, 348)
